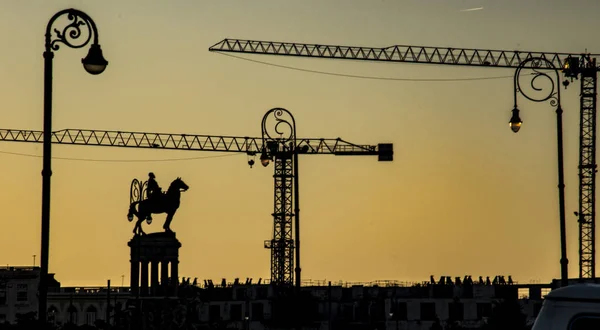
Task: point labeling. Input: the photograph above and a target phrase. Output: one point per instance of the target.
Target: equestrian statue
(149, 199)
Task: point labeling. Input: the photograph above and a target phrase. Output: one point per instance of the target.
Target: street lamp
(515, 124)
(94, 63)
(515, 121)
(279, 142)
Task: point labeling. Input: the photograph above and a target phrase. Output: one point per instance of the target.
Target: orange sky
(464, 195)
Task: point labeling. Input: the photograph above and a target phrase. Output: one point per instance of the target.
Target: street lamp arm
(536, 93)
(282, 130)
(70, 34)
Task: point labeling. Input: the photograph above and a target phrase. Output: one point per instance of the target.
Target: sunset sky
(464, 195)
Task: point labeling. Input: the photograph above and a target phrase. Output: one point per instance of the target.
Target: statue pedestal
(160, 252)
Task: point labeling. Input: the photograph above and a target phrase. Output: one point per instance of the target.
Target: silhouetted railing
(88, 290)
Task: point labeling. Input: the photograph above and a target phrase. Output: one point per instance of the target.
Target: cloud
(472, 9)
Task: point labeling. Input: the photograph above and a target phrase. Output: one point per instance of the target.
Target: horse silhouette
(164, 203)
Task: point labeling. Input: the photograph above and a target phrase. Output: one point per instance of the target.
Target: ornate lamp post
(94, 63)
(553, 96)
(280, 145)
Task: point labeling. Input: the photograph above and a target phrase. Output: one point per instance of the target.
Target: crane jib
(404, 53)
(194, 142)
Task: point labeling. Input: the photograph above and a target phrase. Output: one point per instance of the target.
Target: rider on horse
(156, 201)
(154, 191)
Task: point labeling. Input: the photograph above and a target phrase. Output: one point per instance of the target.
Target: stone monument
(151, 255)
(154, 257)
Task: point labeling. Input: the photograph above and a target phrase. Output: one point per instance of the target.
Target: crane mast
(579, 64)
(282, 244)
(587, 174)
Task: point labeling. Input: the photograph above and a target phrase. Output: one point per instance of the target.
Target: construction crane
(281, 244)
(572, 65)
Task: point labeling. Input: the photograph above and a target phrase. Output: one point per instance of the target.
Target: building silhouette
(157, 298)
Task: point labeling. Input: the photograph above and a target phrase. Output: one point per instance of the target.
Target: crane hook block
(385, 152)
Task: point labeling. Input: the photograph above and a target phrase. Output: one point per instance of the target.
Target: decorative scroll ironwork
(137, 193)
(71, 33)
(279, 125)
(536, 91)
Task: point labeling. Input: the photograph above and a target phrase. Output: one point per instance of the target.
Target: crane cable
(274, 65)
(366, 77)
